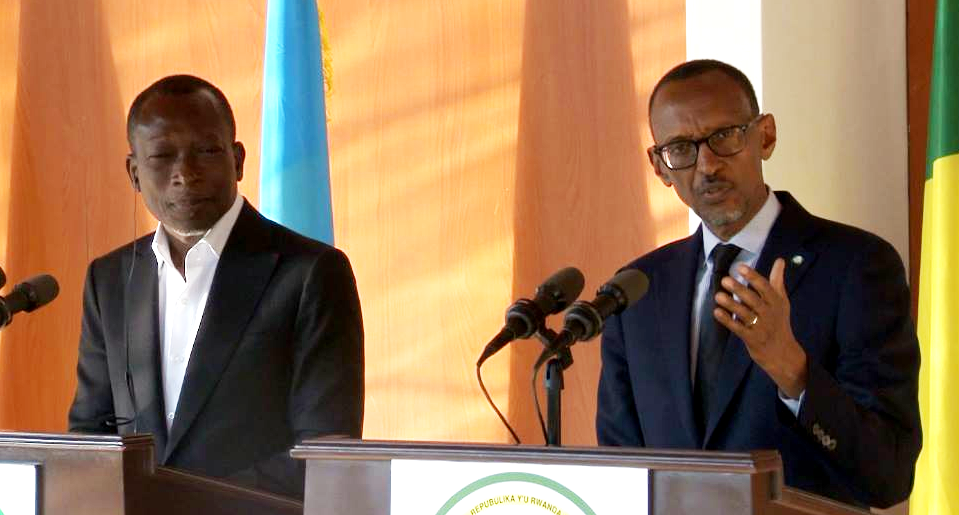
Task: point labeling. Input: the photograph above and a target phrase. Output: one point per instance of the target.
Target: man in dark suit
(768, 328)
(227, 336)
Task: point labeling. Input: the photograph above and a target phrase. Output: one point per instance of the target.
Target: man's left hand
(762, 321)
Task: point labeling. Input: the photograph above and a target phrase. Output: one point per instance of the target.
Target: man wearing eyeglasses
(769, 328)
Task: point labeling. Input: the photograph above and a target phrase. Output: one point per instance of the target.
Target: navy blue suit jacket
(858, 433)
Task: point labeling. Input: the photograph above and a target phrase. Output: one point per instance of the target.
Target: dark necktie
(712, 339)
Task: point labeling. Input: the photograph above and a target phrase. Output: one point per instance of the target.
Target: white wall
(833, 72)
(730, 31)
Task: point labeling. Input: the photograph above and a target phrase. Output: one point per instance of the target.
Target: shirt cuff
(792, 404)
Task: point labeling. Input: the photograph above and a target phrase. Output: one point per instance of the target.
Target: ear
(239, 157)
(767, 131)
(657, 164)
(133, 172)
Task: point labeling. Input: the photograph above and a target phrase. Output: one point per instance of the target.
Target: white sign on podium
(18, 488)
(425, 487)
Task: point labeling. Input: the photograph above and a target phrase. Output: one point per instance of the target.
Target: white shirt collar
(753, 236)
(215, 238)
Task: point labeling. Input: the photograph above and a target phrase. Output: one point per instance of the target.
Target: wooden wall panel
(423, 134)
(585, 193)
(9, 44)
(74, 69)
(920, 29)
(476, 147)
(66, 121)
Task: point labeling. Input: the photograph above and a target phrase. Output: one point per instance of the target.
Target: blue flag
(295, 164)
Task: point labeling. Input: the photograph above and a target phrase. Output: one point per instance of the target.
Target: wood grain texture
(422, 138)
(920, 29)
(475, 148)
(74, 68)
(585, 193)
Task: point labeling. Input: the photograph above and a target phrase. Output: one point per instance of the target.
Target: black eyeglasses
(724, 142)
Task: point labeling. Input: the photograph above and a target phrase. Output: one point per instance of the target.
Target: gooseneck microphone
(27, 296)
(526, 316)
(584, 320)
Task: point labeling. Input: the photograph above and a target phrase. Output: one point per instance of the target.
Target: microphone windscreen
(39, 290)
(563, 287)
(632, 283)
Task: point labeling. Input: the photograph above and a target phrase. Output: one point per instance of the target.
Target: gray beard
(721, 219)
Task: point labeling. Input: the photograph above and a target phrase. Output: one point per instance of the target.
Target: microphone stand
(553, 380)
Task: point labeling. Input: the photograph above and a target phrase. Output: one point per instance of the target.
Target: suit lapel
(241, 276)
(143, 341)
(674, 289)
(785, 240)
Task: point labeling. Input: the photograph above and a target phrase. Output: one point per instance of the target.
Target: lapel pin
(797, 260)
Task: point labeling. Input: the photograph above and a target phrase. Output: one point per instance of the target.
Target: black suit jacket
(858, 433)
(278, 356)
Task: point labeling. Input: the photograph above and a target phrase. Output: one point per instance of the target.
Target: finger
(735, 326)
(778, 276)
(746, 294)
(730, 305)
(756, 281)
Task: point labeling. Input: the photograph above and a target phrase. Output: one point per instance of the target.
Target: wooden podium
(91, 474)
(354, 477)
(116, 475)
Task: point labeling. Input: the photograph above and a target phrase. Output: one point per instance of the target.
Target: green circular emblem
(515, 477)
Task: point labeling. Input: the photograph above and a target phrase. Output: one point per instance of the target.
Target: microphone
(27, 296)
(526, 316)
(584, 320)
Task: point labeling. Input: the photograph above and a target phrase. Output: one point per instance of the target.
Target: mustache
(711, 184)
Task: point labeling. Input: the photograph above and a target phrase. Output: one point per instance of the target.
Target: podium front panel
(352, 476)
(82, 474)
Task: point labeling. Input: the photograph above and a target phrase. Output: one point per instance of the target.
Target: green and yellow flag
(937, 472)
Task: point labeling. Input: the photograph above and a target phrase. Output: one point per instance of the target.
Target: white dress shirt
(751, 240)
(183, 299)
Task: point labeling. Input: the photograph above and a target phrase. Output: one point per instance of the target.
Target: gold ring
(753, 321)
